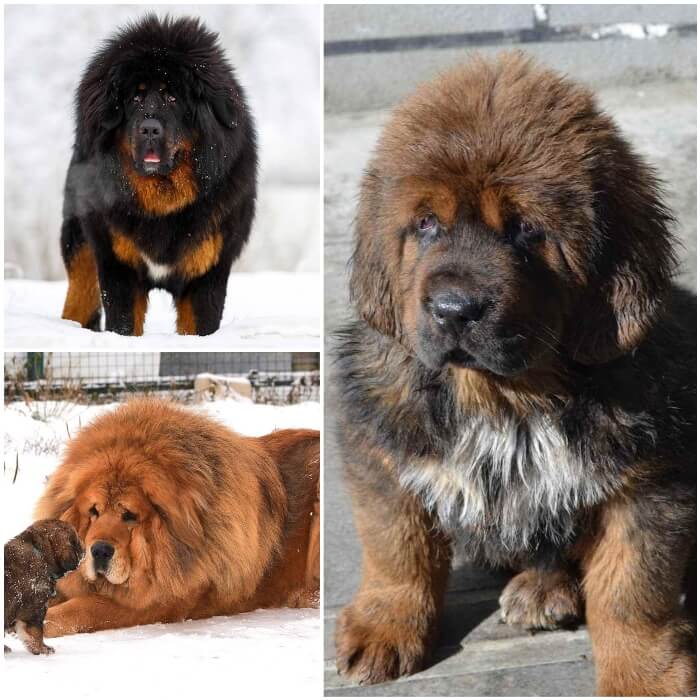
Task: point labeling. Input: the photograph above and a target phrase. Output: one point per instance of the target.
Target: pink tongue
(151, 158)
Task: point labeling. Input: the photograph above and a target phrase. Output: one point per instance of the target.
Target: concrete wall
(370, 62)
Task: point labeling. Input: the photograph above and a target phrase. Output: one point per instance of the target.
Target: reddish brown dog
(183, 518)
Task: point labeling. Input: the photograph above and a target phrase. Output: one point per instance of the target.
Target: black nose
(102, 552)
(455, 309)
(151, 129)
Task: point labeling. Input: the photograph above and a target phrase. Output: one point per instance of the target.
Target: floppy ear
(225, 110)
(371, 279)
(99, 110)
(219, 101)
(635, 261)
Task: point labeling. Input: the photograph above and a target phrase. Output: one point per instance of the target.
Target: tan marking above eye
(491, 214)
(416, 197)
(142, 86)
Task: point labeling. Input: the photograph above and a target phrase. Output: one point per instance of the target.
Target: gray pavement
(376, 54)
(476, 655)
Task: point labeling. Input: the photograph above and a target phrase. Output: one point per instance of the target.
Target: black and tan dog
(522, 373)
(34, 561)
(161, 187)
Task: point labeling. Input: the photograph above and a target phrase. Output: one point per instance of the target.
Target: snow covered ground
(267, 653)
(264, 311)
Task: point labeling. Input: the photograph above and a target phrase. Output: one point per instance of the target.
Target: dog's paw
(375, 643)
(542, 600)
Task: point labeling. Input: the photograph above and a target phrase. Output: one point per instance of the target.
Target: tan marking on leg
(640, 641)
(140, 307)
(83, 296)
(186, 322)
(32, 637)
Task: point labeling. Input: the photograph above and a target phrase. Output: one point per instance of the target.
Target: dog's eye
(93, 512)
(129, 517)
(523, 233)
(427, 223)
(172, 98)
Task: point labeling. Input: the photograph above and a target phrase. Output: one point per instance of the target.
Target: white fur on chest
(156, 271)
(512, 477)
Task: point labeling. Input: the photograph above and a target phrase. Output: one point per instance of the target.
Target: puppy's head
(58, 543)
(505, 223)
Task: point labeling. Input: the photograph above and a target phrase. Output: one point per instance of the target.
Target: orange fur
(201, 257)
(83, 297)
(186, 322)
(140, 307)
(125, 250)
(213, 535)
(158, 195)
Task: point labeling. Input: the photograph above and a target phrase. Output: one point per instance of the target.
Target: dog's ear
(634, 262)
(99, 109)
(219, 103)
(42, 536)
(371, 279)
(225, 110)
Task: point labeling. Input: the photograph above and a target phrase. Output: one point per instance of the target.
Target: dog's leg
(542, 598)
(92, 613)
(201, 304)
(388, 629)
(32, 636)
(124, 296)
(633, 570)
(83, 303)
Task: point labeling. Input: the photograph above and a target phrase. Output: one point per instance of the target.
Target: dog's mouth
(154, 163)
(151, 156)
(109, 573)
(461, 358)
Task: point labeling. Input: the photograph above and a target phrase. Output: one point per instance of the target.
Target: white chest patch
(156, 271)
(511, 480)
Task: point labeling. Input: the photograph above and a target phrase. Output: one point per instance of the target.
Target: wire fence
(263, 377)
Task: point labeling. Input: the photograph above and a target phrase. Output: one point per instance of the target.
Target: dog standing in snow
(34, 560)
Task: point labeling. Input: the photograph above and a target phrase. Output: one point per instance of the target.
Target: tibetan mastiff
(183, 518)
(161, 187)
(520, 379)
(34, 561)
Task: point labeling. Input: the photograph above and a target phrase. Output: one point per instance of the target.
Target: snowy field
(264, 311)
(267, 653)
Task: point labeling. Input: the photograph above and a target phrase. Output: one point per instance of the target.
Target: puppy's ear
(376, 246)
(631, 277)
(41, 535)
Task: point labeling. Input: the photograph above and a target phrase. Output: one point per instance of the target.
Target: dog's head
(504, 222)
(59, 544)
(162, 92)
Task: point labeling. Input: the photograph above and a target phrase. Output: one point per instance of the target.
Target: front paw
(56, 624)
(378, 640)
(542, 600)
(43, 649)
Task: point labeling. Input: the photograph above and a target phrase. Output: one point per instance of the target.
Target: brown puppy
(34, 560)
(183, 518)
(522, 374)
